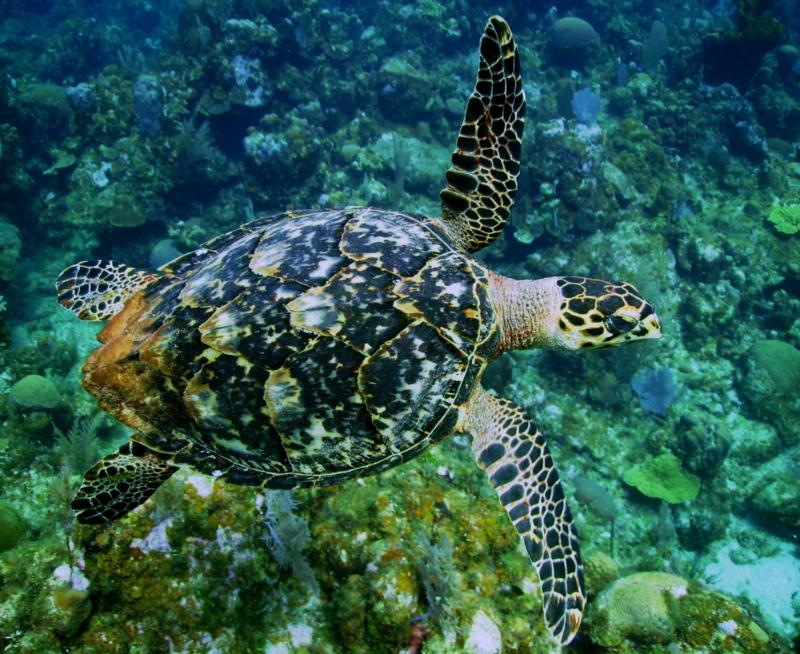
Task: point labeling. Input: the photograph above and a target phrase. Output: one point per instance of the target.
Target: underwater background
(661, 147)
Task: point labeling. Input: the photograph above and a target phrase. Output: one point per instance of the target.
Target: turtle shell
(301, 349)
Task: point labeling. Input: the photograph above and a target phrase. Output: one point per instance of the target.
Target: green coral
(35, 392)
(785, 218)
(663, 477)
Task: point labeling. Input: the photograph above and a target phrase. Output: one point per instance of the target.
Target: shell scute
(255, 324)
(409, 385)
(187, 263)
(222, 277)
(303, 249)
(449, 295)
(397, 243)
(354, 306)
(220, 399)
(315, 405)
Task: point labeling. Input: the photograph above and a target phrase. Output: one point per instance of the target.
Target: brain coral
(637, 607)
(651, 609)
(35, 392)
(573, 33)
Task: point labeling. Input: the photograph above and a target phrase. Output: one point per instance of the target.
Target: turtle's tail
(97, 290)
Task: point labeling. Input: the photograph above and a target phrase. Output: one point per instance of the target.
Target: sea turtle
(311, 347)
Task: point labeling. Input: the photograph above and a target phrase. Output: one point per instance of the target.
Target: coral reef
(648, 609)
(137, 131)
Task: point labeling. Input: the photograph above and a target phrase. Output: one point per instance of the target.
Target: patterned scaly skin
(482, 180)
(570, 313)
(96, 291)
(515, 456)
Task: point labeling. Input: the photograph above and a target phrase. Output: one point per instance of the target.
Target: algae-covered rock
(781, 361)
(35, 392)
(648, 610)
(405, 89)
(664, 478)
(770, 386)
(774, 494)
(73, 607)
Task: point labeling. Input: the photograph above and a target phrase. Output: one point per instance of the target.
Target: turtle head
(594, 313)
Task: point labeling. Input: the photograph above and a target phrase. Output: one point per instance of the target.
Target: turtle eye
(619, 324)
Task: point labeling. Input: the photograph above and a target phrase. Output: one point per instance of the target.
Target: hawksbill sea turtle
(311, 347)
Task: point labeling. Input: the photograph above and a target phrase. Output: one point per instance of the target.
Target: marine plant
(437, 571)
(586, 106)
(655, 46)
(663, 477)
(287, 536)
(598, 500)
(656, 389)
(785, 218)
(78, 448)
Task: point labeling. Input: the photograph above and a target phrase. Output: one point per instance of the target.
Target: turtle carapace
(312, 347)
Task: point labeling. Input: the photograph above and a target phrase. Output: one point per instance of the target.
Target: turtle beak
(650, 327)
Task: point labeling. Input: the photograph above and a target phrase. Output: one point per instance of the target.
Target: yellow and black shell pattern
(310, 347)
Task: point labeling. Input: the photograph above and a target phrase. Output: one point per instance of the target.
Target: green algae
(785, 218)
(664, 478)
(12, 527)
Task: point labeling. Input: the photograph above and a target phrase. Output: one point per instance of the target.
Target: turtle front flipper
(119, 483)
(97, 290)
(482, 180)
(507, 445)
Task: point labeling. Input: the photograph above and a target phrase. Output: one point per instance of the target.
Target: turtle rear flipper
(119, 483)
(97, 290)
(507, 445)
(482, 181)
